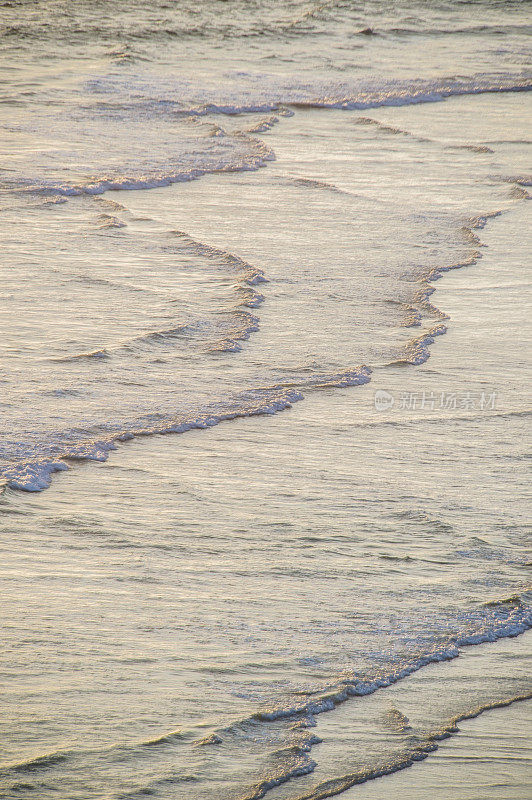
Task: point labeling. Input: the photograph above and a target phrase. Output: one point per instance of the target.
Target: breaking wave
(181, 157)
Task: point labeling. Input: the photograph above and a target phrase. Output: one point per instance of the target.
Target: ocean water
(294, 237)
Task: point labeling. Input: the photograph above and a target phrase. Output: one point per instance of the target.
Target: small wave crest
(38, 763)
(109, 221)
(166, 739)
(417, 350)
(173, 158)
(263, 125)
(35, 474)
(420, 747)
(101, 353)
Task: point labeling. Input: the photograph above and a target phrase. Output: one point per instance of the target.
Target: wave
(518, 193)
(171, 158)
(176, 156)
(109, 221)
(497, 619)
(223, 331)
(295, 764)
(467, 30)
(167, 738)
(159, 336)
(35, 474)
(396, 721)
(106, 202)
(417, 350)
(209, 740)
(263, 126)
(493, 620)
(185, 25)
(248, 274)
(473, 148)
(240, 327)
(223, 334)
(312, 183)
(520, 180)
(357, 376)
(37, 763)
(438, 419)
(420, 749)
(391, 129)
(101, 353)
(119, 752)
(274, 94)
(120, 286)
(158, 179)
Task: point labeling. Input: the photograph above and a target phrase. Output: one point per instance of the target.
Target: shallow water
(259, 216)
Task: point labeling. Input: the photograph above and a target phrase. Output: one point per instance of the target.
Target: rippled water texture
(294, 237)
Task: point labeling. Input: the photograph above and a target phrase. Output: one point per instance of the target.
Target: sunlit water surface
(229, 222)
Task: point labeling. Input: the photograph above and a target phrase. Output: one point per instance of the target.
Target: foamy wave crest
(161, 177)
(418, 749)
(155, 115)
(33, 472)
(175, 156)
(417, 350)
(268, 93)
(294, 762)
(357, 376)
(496, 619)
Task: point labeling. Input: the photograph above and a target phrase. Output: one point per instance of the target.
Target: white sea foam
(170, 159)
(418, 750)
(35, 475)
